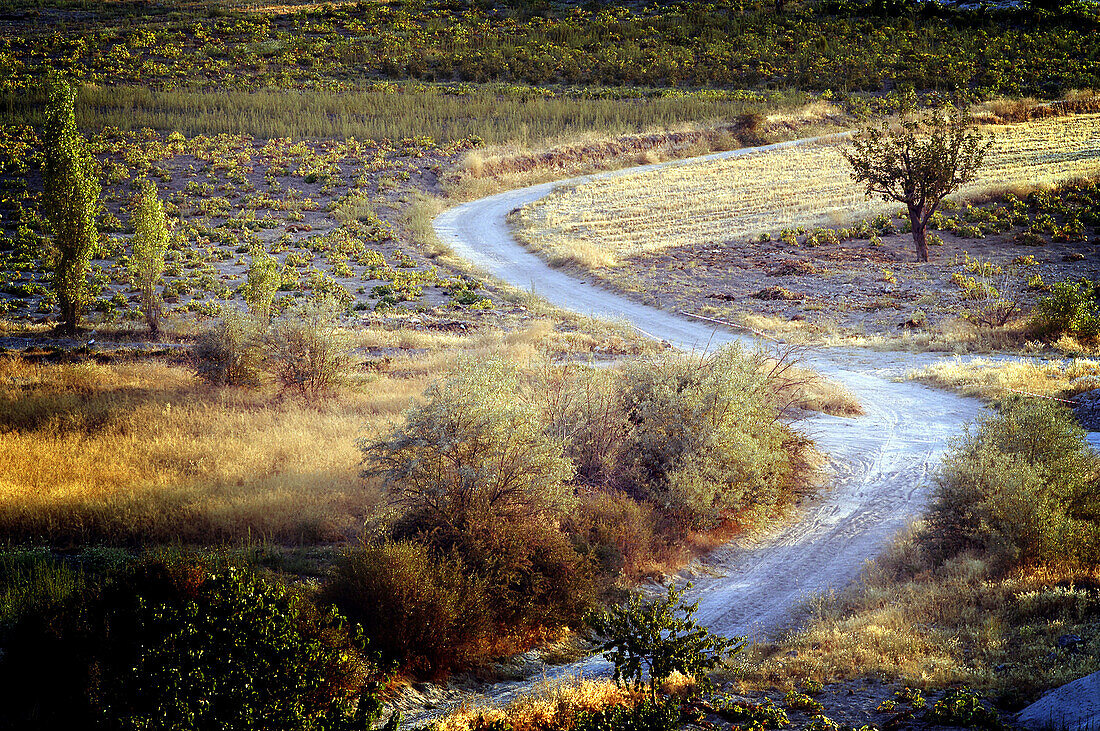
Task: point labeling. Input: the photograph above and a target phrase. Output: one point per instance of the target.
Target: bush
(648, 715)
(1071, 309)
(422, 611)
(657, 639)
(476, 447)
(229, 354)
(306, 352)
(616, 531)
(706, 438)
(177, 644)
(963, 708)
(1020, 487)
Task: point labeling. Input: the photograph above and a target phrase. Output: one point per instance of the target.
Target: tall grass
(447, 114)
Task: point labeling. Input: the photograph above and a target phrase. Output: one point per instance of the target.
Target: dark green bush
(176, 644)
(1020, 487)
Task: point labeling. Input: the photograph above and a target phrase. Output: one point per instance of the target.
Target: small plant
(802, 702)
(822, 722)
(812, 687)
(263, 282)
(149, 247)
(887, 706)
(229, 353)
(649, 715)
(761, 715)
(306, 352)
(659, 638)
(911, 696)
(963, 707)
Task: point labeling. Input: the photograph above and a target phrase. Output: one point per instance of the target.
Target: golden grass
(147, 452)
(952, 625)
(995, 379)
(601, 222)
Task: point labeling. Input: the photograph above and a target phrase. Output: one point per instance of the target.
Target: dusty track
(882, 460)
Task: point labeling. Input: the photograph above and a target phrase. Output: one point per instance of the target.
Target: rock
(1086, 407)
(1070, 642)
(1073, 707)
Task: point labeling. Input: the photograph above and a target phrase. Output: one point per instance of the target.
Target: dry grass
(954, 625)
(602, 222)
(550, 705)
(994, 379)
(491, 170)
(147, 452)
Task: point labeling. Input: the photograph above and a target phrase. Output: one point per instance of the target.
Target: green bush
(658, 638)
(963, 708)
(1071, 309)
(1019, 487)
(706, 439)
(649, 715)
(229, 354)
(476, 447)
(178, 644)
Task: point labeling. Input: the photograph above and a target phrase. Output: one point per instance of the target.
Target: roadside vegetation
(996, 589)
(269, 451)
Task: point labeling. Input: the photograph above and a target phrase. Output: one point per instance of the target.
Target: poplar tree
(148, 249)
(70, 203)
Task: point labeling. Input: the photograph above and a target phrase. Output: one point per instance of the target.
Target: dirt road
(882, 460)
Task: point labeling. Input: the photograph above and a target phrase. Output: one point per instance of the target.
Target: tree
(918, 163)
(70, 203)
(659, 638)
(148, 249)
(263, 282)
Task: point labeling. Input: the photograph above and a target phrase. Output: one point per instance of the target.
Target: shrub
(178, 644)
(658, 638)
(306, 352)
(616, 531)
(229, 354)
(422, 611)
(1071, 309)
(263, 282)
(476, 447)
(963, 708)
(1020, 487)
(648, 715)
(583, 407)
(705, 437)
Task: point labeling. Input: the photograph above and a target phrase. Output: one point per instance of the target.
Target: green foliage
(230, 353)
(70, 203)
(705, 436)
(757, 715)
(477, 446)
(658, 638)
(263, 282)
(1019, 487)
(149, 246)
(918, 163)
(963, 707)
(1071, 309)
(649, 715)
(802, 702)
(179, 644)
(306, 351)
(31, 581)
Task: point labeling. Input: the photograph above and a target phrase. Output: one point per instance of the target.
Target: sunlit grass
(993, 379)
(602, 222)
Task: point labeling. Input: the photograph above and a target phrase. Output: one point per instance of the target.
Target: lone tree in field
(149, 247)
(71, 202)
(918, 163)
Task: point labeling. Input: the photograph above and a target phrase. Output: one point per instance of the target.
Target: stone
(1073, 707)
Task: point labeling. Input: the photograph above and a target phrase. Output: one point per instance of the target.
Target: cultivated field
(601, 222)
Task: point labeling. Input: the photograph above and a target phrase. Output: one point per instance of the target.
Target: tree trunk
(920, 230)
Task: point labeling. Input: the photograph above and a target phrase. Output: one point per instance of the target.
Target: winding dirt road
(882, 461)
